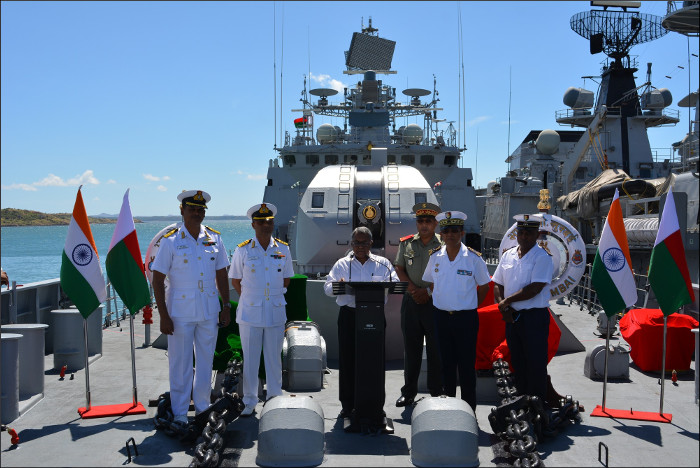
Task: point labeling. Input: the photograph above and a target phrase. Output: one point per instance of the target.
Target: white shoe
(248, 410)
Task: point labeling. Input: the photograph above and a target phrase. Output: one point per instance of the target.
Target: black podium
(370, 327)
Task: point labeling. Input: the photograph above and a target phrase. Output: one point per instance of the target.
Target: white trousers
(270, 339)
(202, 337)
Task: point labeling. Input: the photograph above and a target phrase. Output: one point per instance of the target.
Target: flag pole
(133, 358)
(605, 371)
(87, 370)
(663, 370)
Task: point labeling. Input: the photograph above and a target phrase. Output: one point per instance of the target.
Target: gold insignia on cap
(263, 209)
(199, 196)
(448, 214)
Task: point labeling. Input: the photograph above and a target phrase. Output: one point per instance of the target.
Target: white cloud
(111, 181)
(26, 187)
(255, 176)
(478, 120)
(327, 82)
(166, 177)
(53, 180)
(151, 177)
(162, 188)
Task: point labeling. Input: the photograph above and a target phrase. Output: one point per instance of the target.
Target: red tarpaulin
(492, 334)
(643, 330)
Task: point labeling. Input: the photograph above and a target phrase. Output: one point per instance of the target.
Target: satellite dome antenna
(615, 32)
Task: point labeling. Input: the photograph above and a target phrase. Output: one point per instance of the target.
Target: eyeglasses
(454, 229)
(360, 244)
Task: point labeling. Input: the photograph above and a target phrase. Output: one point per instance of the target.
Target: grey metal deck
(52, 434)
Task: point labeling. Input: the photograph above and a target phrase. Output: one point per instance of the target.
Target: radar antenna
(615, 32)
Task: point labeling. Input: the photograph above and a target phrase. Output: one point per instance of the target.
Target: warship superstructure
(328, 180)
(610, 149)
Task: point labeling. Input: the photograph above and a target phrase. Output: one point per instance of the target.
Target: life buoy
(152, 250)
(566, 247)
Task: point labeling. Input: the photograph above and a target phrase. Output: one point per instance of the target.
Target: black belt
(453, 312)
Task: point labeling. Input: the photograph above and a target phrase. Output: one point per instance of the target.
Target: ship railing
(31, 302)
(584, 294)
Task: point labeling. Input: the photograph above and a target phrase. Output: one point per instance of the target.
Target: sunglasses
(454, 229)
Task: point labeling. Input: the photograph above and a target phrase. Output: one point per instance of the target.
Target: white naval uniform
(515, 273)
(261, 314)
(193, 305)
(455, 282)
(349, 268)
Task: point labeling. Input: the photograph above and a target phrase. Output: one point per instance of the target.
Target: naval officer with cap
(460, 282)
(523, 300)
(417, 322)
(260, 272)
(194, 259)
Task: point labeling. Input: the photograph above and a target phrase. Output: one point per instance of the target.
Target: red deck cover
(492, 338)
(643, 330)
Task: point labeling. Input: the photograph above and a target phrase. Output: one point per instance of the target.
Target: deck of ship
(52, 433)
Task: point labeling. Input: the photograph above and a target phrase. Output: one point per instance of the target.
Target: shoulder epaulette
(212, 230)
(432, 251)
(245, 242)
(546, 249)
(405, 238)
(281, 241)
(475, 251)
(170, 232)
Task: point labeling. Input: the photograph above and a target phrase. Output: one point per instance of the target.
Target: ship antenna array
(615, 32)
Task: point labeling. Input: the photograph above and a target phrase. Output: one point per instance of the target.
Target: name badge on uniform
(464, 272)
(181, 247)
(252, 258)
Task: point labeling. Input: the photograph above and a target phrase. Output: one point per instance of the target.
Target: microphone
(385, 266)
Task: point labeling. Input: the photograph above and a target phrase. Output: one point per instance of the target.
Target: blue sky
(161, 97)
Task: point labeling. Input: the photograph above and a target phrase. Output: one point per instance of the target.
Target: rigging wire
(281, 74)
(274, 63)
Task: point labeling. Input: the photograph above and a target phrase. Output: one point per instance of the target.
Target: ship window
(391, 159)
(427, 160)
(317, 199)
(420, 197)
(450, 160)
(269, 182)
(289, 160)
(331, 159)
(580, 173)
(350, 159)
(408, 160)
(312, 159)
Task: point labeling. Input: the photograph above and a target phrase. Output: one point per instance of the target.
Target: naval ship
(605, 146)
(363, 167)
(329, 180)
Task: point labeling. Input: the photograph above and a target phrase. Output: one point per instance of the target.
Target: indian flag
(81, 274)
(612, 275)
(668, 270)
(124, 262)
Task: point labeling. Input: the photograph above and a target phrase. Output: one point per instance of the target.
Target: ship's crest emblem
(577, 258)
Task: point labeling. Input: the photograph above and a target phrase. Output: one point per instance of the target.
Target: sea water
(33, 253)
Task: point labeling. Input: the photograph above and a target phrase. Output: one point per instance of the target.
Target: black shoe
(404, 401)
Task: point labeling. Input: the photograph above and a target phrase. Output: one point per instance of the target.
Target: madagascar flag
(124, 263)
(81, 274)
(300, 122)
(668, 270)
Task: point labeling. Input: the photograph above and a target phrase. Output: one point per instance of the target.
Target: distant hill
(15, 217)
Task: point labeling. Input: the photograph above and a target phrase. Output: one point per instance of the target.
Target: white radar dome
(412, 134)
(548, 142)
(326, 133)
(578, 98)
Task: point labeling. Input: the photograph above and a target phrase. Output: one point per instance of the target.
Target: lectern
(370, 327)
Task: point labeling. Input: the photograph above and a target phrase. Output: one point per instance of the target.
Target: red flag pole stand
(631, 414)
(103, 411)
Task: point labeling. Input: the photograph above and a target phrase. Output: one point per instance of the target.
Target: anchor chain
(523, 420)
(209, 427)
